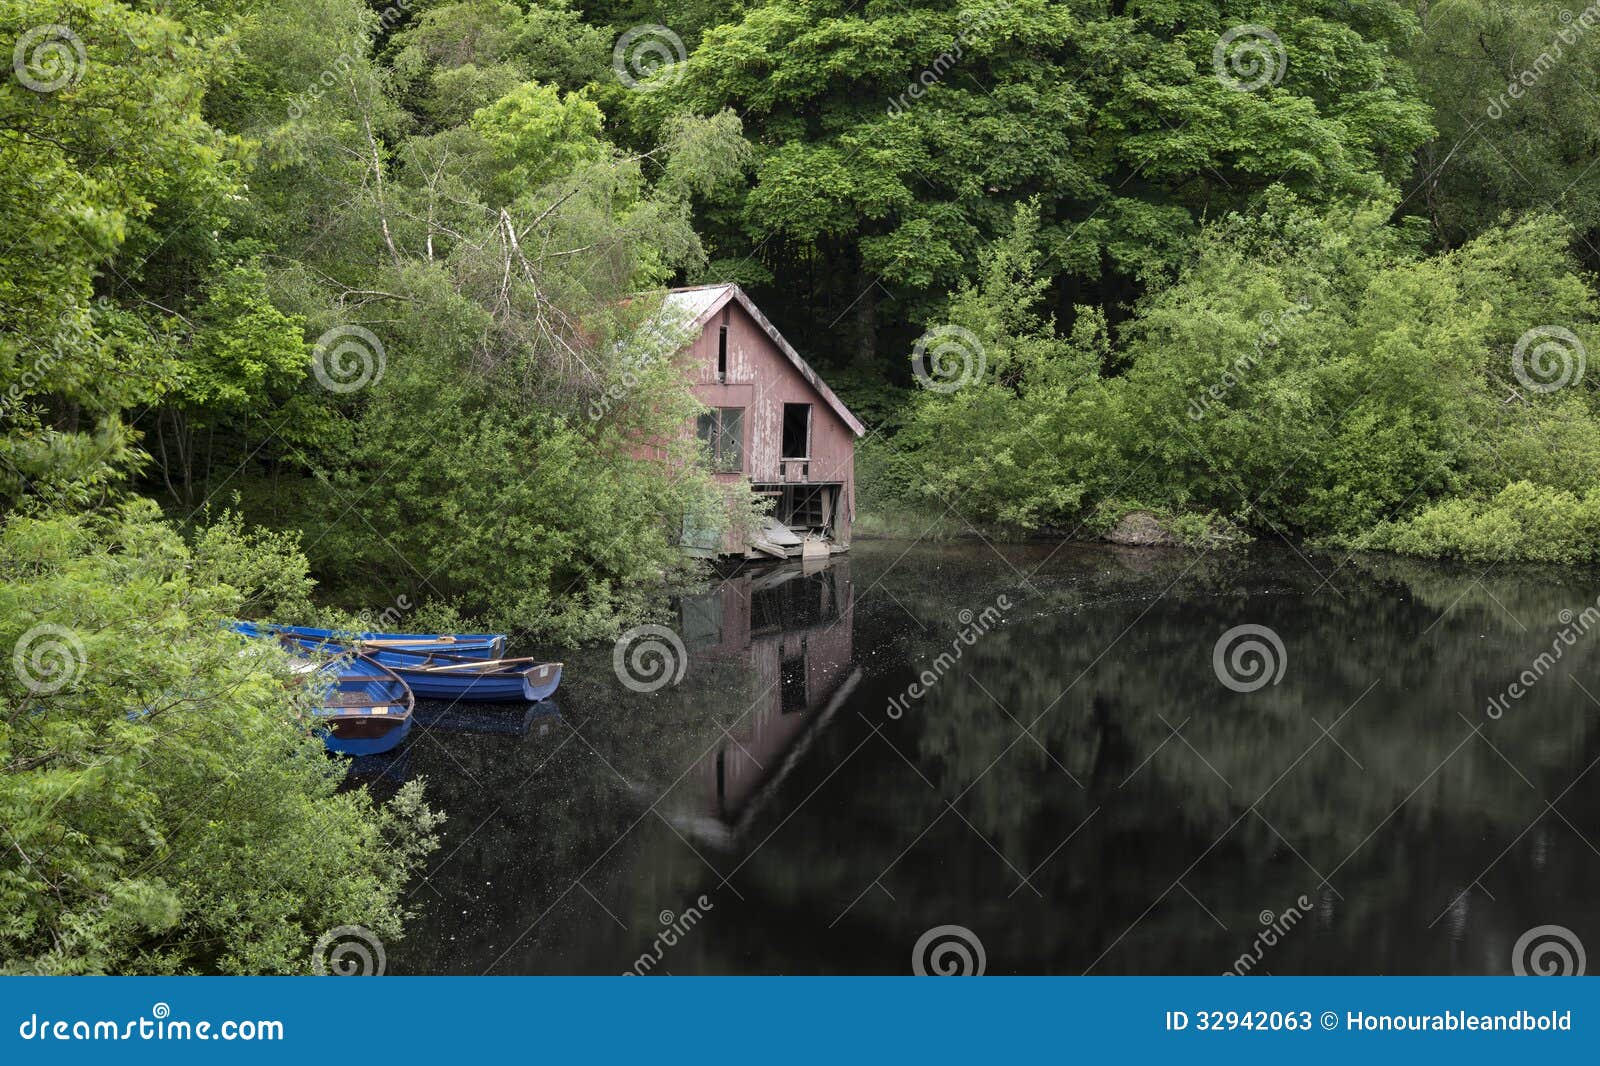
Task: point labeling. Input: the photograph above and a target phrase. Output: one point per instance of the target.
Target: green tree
(894, 140)
(999, 372)
(454, 58)
(83, 164)
(1313, 373)
(1309, 373)
(1512, 88)
(166, 807)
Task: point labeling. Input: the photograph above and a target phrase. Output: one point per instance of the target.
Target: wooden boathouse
(772, 424)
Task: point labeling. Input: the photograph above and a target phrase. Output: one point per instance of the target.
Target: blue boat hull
(377, 745)
(466, 645)
(527, 685)
(366, 709)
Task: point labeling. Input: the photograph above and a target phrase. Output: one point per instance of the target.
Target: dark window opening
(722, 431)
(796, 431)
(722, 781)
(812, 507)
(722, 349)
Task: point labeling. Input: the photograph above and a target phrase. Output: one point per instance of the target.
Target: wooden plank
(770, 549)
(356, 705)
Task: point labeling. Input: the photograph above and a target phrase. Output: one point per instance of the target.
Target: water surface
(1080, 787)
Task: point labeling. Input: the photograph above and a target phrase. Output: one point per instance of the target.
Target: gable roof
(699, 303)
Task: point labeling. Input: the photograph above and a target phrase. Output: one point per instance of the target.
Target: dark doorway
(796, 431)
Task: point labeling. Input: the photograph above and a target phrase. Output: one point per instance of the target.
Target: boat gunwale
(336, 713)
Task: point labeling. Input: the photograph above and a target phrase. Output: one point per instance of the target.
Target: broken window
(722, 430)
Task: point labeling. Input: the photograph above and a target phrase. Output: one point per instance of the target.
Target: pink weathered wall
(761, 380)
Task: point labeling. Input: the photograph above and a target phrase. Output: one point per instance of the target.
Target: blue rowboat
(467, 645)
(449, 676)
(364, 706)
(494, 681)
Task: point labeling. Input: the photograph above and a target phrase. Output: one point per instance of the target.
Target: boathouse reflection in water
(791, 629)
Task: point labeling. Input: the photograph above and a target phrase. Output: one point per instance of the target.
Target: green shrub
(1309, 373)
(166, 807)
(1521, 522)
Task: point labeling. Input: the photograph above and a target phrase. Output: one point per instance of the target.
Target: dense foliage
(1308, 373)
(383, 280)
(894, 139)
(165, 807)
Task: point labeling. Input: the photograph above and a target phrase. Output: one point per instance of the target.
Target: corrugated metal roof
(698, 300)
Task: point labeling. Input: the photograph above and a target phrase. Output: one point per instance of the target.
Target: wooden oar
(484, 664)
(356, 647)
(396, 643)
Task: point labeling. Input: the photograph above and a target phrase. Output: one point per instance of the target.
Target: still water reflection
(1077, 787)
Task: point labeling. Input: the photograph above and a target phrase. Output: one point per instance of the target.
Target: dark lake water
(1090, 785)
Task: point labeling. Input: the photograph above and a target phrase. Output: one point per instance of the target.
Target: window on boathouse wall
(722, 430)
(722, 348)
(796, 431)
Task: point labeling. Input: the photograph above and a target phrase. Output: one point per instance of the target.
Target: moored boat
(449, 676)
(364, 706)
(466, 645)
(495, 681)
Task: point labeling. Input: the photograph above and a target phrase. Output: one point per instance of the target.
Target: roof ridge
(735, 292)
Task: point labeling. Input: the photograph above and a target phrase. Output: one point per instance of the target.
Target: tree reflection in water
(1079, 790)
